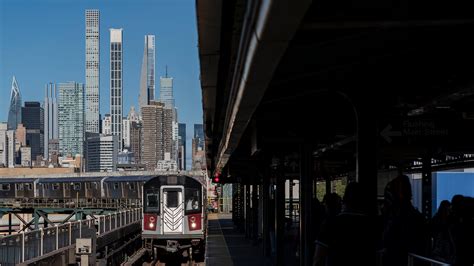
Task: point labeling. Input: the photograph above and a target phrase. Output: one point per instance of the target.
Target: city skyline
(175, 46)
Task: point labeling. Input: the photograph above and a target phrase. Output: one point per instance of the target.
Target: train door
(172, 206)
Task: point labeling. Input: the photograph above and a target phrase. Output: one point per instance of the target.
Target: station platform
(228, 246)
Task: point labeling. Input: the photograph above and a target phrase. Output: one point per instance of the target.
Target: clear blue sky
(43, 41)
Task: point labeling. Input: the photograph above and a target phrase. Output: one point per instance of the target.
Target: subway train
(70, 188)
(174, 217)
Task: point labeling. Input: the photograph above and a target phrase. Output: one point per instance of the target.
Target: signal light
(216, 178)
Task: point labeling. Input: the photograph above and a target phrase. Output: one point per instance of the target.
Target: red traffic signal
(216, 178)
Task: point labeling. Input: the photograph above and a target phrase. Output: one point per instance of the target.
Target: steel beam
(306, 196)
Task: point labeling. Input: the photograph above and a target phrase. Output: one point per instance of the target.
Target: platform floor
(227, 246)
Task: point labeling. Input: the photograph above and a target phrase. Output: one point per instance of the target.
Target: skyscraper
(199, 135)
(71, 118)
(181, 146)
(166, 92)
(147, 78)
(107, 125)
(92, 70)
(3, 145)
(198, 156)
(32, 117)
(102, 152)
(14, 113)
(116, 88)
(126, 133)
(156, 130)
(50, 117)
(136, 140)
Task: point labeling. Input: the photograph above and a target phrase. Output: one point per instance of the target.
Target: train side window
(28, 186)
(77, 186)
(19, 186)
(132, 186)
(116, 185)
(96, 186)
(152, 202)
(5, 186)
(55, 186)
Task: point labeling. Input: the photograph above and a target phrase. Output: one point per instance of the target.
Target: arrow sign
(387, 133)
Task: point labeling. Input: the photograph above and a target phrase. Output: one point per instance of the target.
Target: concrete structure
(199, 136)
(25, 154)
(71, 118)
(116, 84)
(32, 117)
(182, 146)
(197, 152)
(35, 172)
(147, 77)
(11, 149)
(107, 125)
(51, 130)
(3, 145)
(198, 156)
(126, 157)
(92, 102)
(136, 140)
(14, 111)
(101, 153)
(20, 136)
(157, 133)
(166, 165)
(126, 127)
(126, 133)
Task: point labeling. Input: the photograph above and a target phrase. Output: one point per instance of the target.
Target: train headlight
(150, 222)
(193, 222)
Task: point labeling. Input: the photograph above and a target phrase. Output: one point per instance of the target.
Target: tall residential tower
(116, 85)
(71, 118)
(92, 70)
(50, 117)
(147, 78)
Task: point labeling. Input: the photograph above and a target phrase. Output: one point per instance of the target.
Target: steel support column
(248, 212)
(10, 224)
(366, 168)
(426, 195)
(36, 219)
(255, 206)
(306, 223)
(280, 215)
(266, 214)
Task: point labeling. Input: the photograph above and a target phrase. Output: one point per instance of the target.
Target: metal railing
(412, 258)
(71, 203)
(43, 242)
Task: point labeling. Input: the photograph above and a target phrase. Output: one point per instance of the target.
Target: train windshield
(152, 202)
(193, 200)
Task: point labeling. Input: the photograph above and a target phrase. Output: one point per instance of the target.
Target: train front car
(174, 217)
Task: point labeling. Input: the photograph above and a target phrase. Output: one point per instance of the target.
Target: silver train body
(89, 188)
(174, 217)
